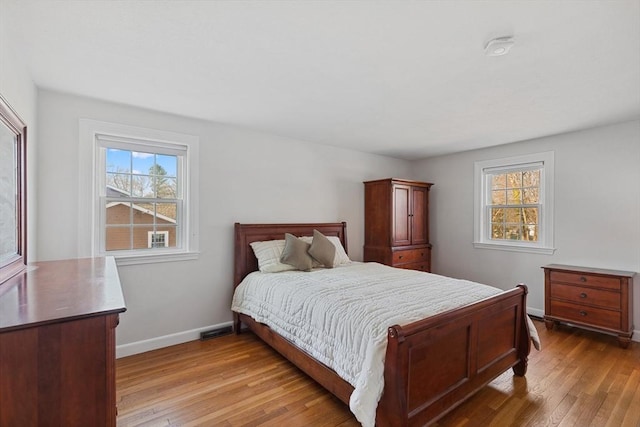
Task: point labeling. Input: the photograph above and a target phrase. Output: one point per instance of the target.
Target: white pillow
(341, 255)
(268, 254)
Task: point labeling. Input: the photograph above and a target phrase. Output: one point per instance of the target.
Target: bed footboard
(434, 365)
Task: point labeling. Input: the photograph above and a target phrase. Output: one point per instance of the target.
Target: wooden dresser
(591, 297)
(57, 344)
(396, 223)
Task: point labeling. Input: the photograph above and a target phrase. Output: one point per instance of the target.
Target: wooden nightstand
(590, 297)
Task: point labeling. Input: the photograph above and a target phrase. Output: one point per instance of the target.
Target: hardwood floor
(580, 378)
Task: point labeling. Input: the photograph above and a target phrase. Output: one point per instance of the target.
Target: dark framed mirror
(13, 192)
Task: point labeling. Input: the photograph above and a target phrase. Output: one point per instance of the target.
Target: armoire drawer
(410, 255)
(420, 266)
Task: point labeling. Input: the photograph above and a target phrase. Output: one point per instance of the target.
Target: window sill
(136, 259)
(515, 248)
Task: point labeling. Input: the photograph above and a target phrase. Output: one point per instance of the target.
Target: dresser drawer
(410, 255)
(420, 266)
(584, 314)
(586, 279)
(581, 295)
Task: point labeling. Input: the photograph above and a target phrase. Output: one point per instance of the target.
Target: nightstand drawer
(420, 266)
(581, 295)
(410, 255)
(586, 279)
(586, 315)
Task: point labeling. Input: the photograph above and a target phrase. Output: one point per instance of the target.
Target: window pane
(513, 215)
(118, 213)
(530, 215)
(167, 213)
(169, 164)
(118, 238)
(497, 231)
(530, 233)
(514, 180)
(118, 185)
(531, 178)
(118, 160)
(141, 236)
(143, 213)
(512, 231)
(498, 181)
(514, 196)
(170, 231)
(531, 195)
(165, 187)
(497, 215)
(498, 197)
(142, 162)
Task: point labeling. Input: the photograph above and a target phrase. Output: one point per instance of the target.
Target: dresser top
(51, 291)
(603, 271)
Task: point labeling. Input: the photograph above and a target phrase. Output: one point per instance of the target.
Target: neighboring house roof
(116, 192)
(141, 209)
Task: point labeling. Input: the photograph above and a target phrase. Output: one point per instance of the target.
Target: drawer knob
(583, 313)
(400, 257)
(583, 279)
(421, 253)
(583, 295)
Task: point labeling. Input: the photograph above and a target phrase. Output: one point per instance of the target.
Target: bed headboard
(245, 261)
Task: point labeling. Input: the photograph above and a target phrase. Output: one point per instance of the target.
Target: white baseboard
(540, 313)
(164, 341)
(535, 312)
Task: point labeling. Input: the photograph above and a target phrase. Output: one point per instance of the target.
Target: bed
(431, 365)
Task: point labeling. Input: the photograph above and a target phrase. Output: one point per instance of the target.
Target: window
(158, 239)
(513, 206)
(143, 209)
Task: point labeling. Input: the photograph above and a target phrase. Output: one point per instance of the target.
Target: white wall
(597, 210)
(244, 177)
(16, 86)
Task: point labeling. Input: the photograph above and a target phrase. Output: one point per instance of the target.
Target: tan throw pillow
(295, 253)
(322, 250)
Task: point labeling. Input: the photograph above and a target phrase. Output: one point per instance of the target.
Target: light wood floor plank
(580, 378)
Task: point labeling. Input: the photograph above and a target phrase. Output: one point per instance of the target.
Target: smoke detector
(499, 46)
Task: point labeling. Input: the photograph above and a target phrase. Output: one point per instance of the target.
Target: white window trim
(150, 235)
(481, 239)
(88, 194)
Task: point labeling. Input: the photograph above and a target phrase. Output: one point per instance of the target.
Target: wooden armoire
(396, 223)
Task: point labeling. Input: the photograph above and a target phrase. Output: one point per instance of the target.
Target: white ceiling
(407, 79)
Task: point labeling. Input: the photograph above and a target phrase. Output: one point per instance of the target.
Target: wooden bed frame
(432, 365)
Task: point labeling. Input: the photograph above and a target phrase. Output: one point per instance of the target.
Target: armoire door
(418, 215)
(401, 221)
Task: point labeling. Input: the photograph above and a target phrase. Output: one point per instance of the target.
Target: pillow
(341, 256)
(268, 254)
(295, 253)
(322, 249)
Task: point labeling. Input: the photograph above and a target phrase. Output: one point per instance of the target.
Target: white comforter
(340, 316)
